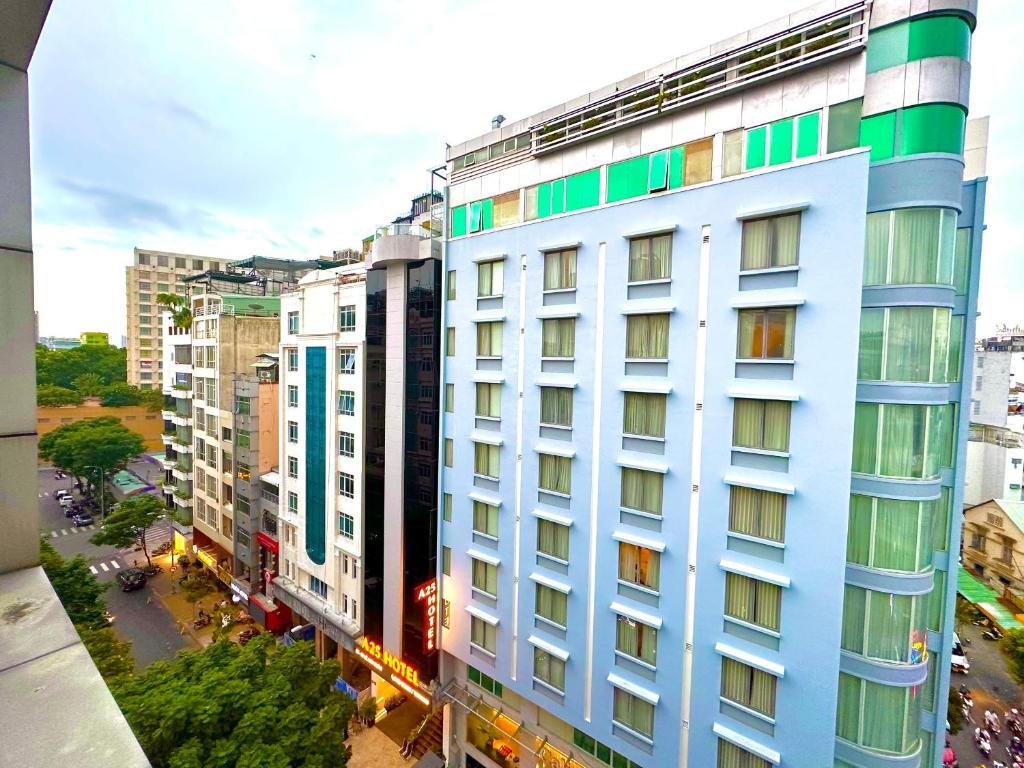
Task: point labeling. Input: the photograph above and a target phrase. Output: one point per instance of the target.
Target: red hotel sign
(426, 593)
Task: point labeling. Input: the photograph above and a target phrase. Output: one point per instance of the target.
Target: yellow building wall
(134, 417)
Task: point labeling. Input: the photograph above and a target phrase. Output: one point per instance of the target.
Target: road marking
(93, 569)
(53, 534)
(63, 531)
(116, 564)
(90, 527)
(104, 567)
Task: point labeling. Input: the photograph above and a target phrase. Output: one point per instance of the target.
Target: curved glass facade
(918, 39)
(879, 717)
(906, 442)
(884, 626)
(920, 129)
(891, 534)
(909, 344)
(910, 246)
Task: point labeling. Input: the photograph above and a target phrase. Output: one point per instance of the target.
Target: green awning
(986, 601)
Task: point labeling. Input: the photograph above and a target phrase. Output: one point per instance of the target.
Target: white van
(958, 661)
(66, 501)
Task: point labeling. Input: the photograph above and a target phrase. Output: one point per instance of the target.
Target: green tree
(89, 384)
(955, 711)
(196, 586)
(102, 442)
(179, 307)
(260, 705)
(151, 399)
(63, 366)
(112, 657)
(79, 592)
(130, 523)
(51, 395)
(119, 394)
(1012, 644)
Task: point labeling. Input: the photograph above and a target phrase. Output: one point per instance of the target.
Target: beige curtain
(637, 640)
(489, 278)
(486, 460)
(485, 576)
(559, 337)
(553, 539)
(555, 473)
(549, 669)
(644, 414)
(642, 490)
(756, 249)
(647, 337)
(488, 400)
(551, 604)
(485, 518)
(634, 713)
(556, 406)
(488, 339)
(776, 425)
(753, 601)
(876, 255)
(786, 240)
(559, 270)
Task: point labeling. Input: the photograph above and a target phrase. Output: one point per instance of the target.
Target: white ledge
(488, 316)
(659, 306)
(628, 537)
(630, 612)
(554, 517)
(483, 257)
(560, 246)
(641, 461)
(771, 667)
(494, 501)
(547, 581)
(658, 385)
(486, 557)
(630, 687)
(651, 231)
(555, 448)
(544, 645)
(773, 210)
(483, 615)
(769, 297)
(556, 380)
(555, 311)
(763, 389)
(760, 480)
(489, 377)
(486, 436)
(743, 569)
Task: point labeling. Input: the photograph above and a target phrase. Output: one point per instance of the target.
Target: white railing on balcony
(423, 230)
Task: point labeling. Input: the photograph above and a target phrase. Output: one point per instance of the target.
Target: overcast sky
(292, 129)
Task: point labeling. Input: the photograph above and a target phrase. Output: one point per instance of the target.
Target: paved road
(139, 618)
(991, 687)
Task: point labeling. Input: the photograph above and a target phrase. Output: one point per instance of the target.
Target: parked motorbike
(992, 633)
(983, 742)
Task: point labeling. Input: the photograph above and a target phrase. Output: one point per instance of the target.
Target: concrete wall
(990, 387)
(134, 417)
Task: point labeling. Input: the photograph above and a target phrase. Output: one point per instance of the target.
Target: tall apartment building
(152, 273)
(995, 447)
(358, 515)
(685, 522)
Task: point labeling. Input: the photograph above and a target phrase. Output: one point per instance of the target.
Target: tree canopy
(178, 306)
(130, 522)
(102, 442)
(1012, 644)
(63, 366)
(260, 705)
(51, 394)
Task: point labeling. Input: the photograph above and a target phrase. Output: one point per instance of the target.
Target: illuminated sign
(380, 658)
(426, 593)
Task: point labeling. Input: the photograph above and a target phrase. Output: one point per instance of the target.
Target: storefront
(212, 556)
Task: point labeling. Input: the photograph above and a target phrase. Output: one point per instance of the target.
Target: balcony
(339, 627)
(166, 439)
(268, 524)
(169, 487)
(400, 243)
(181, 472)
(166, 463)
(181, 419)
(167, 415)
(185, 502)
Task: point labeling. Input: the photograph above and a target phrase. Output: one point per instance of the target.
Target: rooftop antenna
(497, 120)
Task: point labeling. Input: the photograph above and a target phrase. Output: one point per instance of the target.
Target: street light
(102, 474)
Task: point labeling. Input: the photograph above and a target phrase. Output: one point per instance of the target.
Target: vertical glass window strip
(446, 561)
(347, 318)
(650, 258)
(486, 460)
(962, 261)
(293, 360)
(485, 519)
(560, 270)
(732, 163)
(347, 360)
(449, 350)
(346, 525)
(766, 334)
(485, 577)
(450, 285)
(770, 242)
(346, 444)
(556, 406)
(293, 396)
(447, 513)
(346, 485)
(844, 125)
(449, 452)
(346, 402)
(449, 398)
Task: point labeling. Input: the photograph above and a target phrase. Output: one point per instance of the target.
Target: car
(66, 501)
(73, 511)
(958, 660)
(83, 519)
(131, 579)
(62, 493)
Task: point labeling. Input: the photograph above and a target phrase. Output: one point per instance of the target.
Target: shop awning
(986, 601)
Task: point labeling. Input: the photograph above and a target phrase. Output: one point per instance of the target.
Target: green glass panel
(808, 127)
(676, 159)
(475, 209)
(603, 753)
(558, 196)
(932, 128)
(583, 190)
(474, 675)
(962, 261)
(487, 214)
(888, 47)
(620, 761)
(583, 741)
(657, 177)
(627, 179)
(844, 125)
(869, 364)
(937, 602)
(865, 438)
(458, 221)
(938, 36)
(879, 133)
(544, 200)
(757, 139)
(498, 688)
(956, 347)
(781, 150)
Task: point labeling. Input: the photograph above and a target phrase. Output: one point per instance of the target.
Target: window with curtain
(644, 414)
(770, 242)
(560, 270)
(901, 441)
(642, 491)
(482, 634)
(891, 534)
(558, 337)
(551, 604)
(556, 406)
(505, 209)
(639, 565)
(449, 452)
(488, 339)
(697, 162)
(447, 507)
(488, 400)
(449, 347)
(555, 473)
(650, 258)
(749, 687)
(450, 285)
(647, 337)
(485, 577)
(553, 539)
(636, 639)
(549, 669)
(753, 601)
(881, 717)
(904, 344)
(731, 756)
(633, 712)
(486, 459)
(485, 519)
(754, 512)
(449, 398)
(910, 246)
(489, 279)
(883, 626)
(762, 424)
(766, 334)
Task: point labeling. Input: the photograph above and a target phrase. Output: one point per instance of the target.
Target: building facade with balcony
(993, 550)
(358, 472)
(684, 520)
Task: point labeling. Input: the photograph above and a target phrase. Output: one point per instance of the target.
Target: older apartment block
(703, 429)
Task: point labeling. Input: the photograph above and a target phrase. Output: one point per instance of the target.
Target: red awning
(267, 542)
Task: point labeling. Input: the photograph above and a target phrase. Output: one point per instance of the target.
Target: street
(991, 687)
(139, 618)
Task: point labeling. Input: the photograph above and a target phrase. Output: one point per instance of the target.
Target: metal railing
(427, 229)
